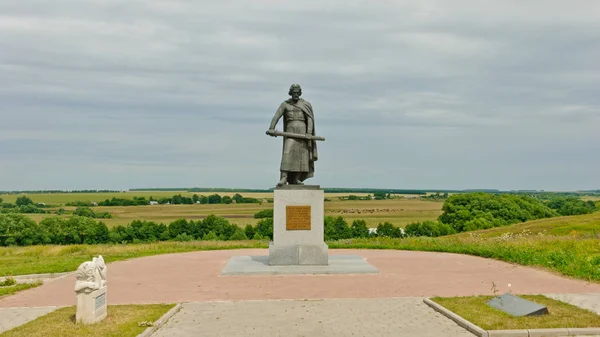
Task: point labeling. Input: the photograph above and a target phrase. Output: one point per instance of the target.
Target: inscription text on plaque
(297, 218)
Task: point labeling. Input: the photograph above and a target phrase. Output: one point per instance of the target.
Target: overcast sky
(441, 94)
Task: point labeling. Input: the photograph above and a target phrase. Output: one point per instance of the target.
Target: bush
(18, 229)
(336, 229)
(359, 229)
(30, 208)
(428, 228)
(85, 211)
(103, 215)
(265, 213)
(89, 213)
(257, 237)
(210, 236)
(386, 229)
(184, 237)
(264, 228)
(220, 226)
(23, 201)
(249, 231)
(141, 231)
(181, 226)
(239, 234)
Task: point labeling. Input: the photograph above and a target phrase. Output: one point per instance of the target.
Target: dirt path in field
(194, 277)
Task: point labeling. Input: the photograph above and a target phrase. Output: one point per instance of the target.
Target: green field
(398, 211)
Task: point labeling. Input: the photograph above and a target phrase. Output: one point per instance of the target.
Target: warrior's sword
(293, 135)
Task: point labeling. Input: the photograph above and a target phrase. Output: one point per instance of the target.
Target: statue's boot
(283, 180)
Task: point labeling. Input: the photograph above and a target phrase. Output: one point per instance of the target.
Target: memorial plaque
(517, 306)
(297, 218)
(100, 301)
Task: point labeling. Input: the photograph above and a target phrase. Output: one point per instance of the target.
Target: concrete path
(331, 317)
(13, 317)
(195, 277)
(587, 301)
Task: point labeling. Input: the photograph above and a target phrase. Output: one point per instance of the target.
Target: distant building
(94, 203)
(153, 202)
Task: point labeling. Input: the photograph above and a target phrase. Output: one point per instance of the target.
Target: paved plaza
(331, 317)
(386, 303)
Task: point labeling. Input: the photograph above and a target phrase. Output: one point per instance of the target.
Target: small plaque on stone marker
(297, 218)
(517, 306)
(100, 301)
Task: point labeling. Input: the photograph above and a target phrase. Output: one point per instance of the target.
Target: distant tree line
(174, 200)
(436, 196)
(20, 230)
(376, 196)
(58, 191)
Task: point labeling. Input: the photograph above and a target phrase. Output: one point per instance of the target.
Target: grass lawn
(122, 321)
(58, 259)
(575, 257)
(561, 315)
(9, 290)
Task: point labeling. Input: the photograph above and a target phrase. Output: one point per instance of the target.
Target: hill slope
(560, 226)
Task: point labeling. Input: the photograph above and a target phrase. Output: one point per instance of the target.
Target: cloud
(408, 94)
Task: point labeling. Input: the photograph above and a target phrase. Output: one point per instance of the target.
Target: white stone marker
(298, 227)
(90, 288)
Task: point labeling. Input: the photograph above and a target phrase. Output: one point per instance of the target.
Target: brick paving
(330, 317)
(194, 277)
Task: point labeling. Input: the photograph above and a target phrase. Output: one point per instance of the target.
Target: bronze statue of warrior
(300, 142)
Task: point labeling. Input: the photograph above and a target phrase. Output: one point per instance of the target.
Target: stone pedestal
(91, 307)
(298, 227)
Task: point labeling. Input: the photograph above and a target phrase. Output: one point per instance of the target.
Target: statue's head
(86, 272)
(295, 91)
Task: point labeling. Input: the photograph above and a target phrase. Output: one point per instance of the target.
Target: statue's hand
(270, 132)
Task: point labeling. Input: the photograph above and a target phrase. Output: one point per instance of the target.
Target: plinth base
(91, 307)
(259, 265)
(298, 254)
